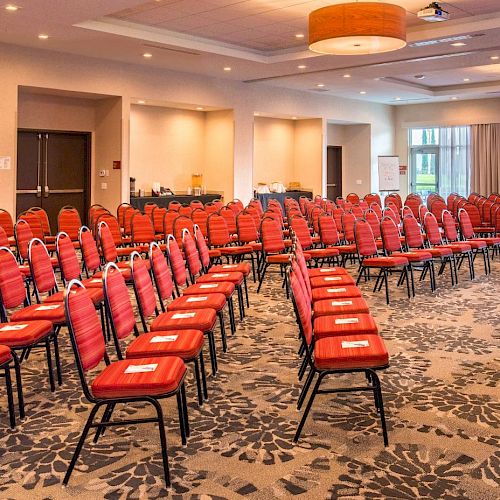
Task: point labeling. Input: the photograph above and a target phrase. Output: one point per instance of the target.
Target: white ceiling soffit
(428, 31)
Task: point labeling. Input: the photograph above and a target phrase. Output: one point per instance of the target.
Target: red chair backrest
(432, 229)
(202, 247)
(373, 219)
(113, 226)
(271, 236)
(200, 217)
(34, 222)
(466, 227)
(120, 213)
(174, 205)
(24, 235)
(161, 272)
(348, 222)
(69, 221)
(302, 232)
(302, 307)
(247, 230)
(196, 204)
(6, 222)
(142, 229)
(185, 210)
(191, 253)
(218, 233)
(148, 209)
(328, 230)
(373, 198)
(67, 257)
(413, 235)
(143, 287)
(44, 219)
(230, 218)
(180, 223)
(4, 239)
(390, 235)
(127, 219)
(157, 216)
(118, 301)
(449, 227)
(176, 261)
(352, 198)
(365, 242)
(89, 250)
(107, 243)
(211, 208)
(12, 290)
(41, 268)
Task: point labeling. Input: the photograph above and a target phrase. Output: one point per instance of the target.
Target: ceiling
(260, 40)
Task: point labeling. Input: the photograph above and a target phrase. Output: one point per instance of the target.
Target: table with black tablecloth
(163, 201)
(265, 197)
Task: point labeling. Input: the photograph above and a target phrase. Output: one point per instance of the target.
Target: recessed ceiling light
(43, 36)
(495, 58)
(302, 66)
(419, 77)
(466, 79)
(363, 92)
(458, 44)
(147, 55)
(256, 113)
(454, 98)
(299, 35)
(141, 102)
(320, 85)
(347, 76)
(294, 117)
(11, 7)
(398, 98)
(199, 108)
(227, 68)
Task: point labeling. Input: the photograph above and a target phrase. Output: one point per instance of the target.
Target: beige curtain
(485, 172)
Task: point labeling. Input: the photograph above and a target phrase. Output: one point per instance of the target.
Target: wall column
(243, 153)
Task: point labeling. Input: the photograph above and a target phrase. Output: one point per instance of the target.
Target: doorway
(334, 172)
(424, 170)
(53, 170)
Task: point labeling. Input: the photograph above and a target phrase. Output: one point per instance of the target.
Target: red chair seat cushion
(326, 271)
(335, 292)
(113, 382)
(337, 280)
(41, 312)
(243, 268)
(231, 277)
(439, 252)
(484, 229)
(346, 249)
(256, 247)
(213, 253)
(477, 244)
(351, 305)
(187, 345)
(215, 301)
(281, 258)
(385, 262)
(344, 324)
(96, 294)
(414, 256)
(199, 319)
(126, 251)
(490, 241)
(334, 353)
(32, 332)
(224, 287)
(459, 247)
(25, 269)
(237, 250)
(5, 354)
(323, 253)
(94, 282)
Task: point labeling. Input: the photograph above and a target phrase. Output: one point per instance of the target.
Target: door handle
(332, 185)
(46, 190)
(38, 165)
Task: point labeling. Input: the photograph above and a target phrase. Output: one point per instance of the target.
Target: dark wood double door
(53, 170)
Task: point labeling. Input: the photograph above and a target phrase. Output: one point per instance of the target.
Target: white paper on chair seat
(9, 328)
(196, 299)
(210, 285)
(346, 321)
(48, 308)
(220, 275)
(346, 344)
(342, 303)
(336, 290)
(141, 368)
(163, 338)
(329, 270)
(123, 269)
(229, 266)
(333, 278)
(184, 315)
(96, 280)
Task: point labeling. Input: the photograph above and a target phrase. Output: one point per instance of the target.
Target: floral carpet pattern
(440, 392)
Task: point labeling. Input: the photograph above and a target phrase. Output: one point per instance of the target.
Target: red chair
(142, 232)
(461, 251)
(157, 217)
(186, 344)
(148, 209)
(185, 210)
(200, 217)
(180, 223)
(467, 232)
(120, 213)
(7, 223)
(108, 248)
(69, 221)
(174, 205)
(417, 259)
(129, 381)
(340, 354)
(415, 241)
(329, 236)
(373, 198)
(121, 242)
(90, 254)
(352, 198)
(208, 256)
(48, 237)
(202, 319)
(369, 259)
(30, 327)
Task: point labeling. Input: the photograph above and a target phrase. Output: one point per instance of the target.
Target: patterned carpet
(441, 405)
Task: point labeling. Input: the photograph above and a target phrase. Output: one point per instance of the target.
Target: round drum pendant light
(357, 28)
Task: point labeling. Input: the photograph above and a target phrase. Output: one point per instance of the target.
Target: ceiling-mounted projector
(433, 13)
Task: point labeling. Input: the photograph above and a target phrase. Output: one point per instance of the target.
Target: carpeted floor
(441, 396)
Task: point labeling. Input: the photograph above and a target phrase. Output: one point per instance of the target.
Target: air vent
(450, 39)
(170, 49)
(319, 90)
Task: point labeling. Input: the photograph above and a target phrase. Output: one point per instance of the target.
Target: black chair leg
(222, 330)
(305, 389)
(203, 375)
(49, 365)
(181, 417)
(198, 381)
(10, 396)
(308, 408)
(19, 384)
(163, 441)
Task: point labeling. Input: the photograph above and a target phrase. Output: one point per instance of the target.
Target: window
(439, 160)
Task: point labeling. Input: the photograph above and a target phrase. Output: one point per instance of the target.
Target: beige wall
(218, 174)
(308, 154)
(166, 146)
(356, 142)
(72, 73)
(273, 157)
(442, 114)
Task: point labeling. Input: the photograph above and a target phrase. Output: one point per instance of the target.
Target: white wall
(45, 69)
